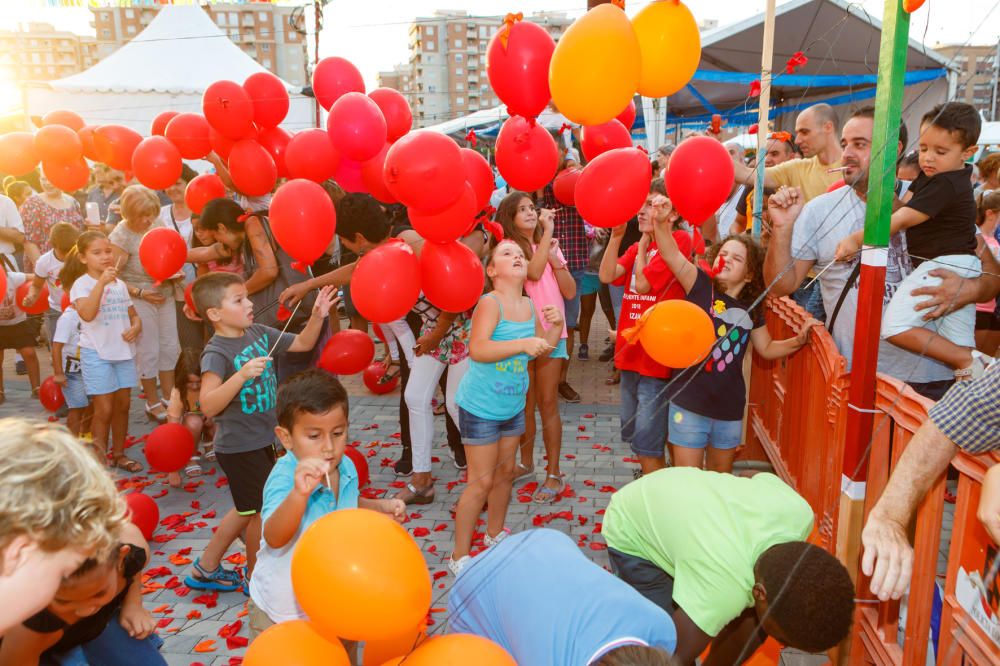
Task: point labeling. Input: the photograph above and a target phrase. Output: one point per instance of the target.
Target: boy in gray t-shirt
(239, 389)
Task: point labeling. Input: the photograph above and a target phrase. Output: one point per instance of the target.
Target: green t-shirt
(706, 530)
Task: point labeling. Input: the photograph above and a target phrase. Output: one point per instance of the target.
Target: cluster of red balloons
(383, 592)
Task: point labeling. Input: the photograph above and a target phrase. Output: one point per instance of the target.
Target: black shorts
(648, 579)
(987, 321)
(19, 336)
(247, 473)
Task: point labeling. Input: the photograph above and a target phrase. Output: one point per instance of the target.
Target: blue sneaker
(221, 580)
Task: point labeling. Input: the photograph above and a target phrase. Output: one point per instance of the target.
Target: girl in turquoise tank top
(506, 335)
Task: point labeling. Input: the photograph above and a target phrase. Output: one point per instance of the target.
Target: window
(105, 33)
(429, 31)
(458, 57)
(432, 46)
(130, 29)
(431, 88)
(459, 71)
(484, 32)
(460, 101)
(458, 43)
(459, 87)
(130, 13)
(265, 32)
(266, 62)
(262, 16)
(265, 48)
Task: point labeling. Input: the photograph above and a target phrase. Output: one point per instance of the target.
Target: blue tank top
(496, 391)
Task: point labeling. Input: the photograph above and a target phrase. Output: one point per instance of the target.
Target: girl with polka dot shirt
(706, 412)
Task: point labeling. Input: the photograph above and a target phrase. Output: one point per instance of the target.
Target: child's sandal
(221, 580)
(546, 495)
(127, 464)
(389, 374)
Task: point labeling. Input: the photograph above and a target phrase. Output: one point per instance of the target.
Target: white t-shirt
(47, 267)
(726, 214)
(823, 223)
(10, 314)
(185, 228)
(104, 333)
(9, 219)
(68, 335)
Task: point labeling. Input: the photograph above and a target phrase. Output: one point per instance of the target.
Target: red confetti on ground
(237, 642)
(416, 516)
(630, 459)
(569, 456)
(607, 489)
(182, 591)
(421, 531)
(209, 514)
(159, 494)
(432, 549)
(172, 583)
(194, 615)
(372, 493)
(184, 551)
(441, 528)
(597, 528)
(582, 428)
(239, 559)
(600, 512)
(397, 484)
(163, 538)
(589, 483)
(163, 622)
(583, 438)
(588, 416)
(523, 499)
(582, 519)
(582, 500)
(435, 459)
(231, 629)
(221, 481)
(598, 546)
(373, 426)
(438, 575)
(205, 646)
(196, 505)
(162, 608)
(210, 600)
(157, 572)
(235, 661)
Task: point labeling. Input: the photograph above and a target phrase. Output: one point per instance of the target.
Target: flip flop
(546, 495)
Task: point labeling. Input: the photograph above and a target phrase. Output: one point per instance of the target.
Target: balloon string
(287, 324)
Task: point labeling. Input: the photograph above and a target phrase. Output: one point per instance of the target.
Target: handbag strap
(843, 296)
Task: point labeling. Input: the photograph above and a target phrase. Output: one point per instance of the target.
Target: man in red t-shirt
(645, 395)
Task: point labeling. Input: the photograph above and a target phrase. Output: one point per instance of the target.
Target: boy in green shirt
(726, 557)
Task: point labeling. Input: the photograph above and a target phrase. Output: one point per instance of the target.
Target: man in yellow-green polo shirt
(726, 556)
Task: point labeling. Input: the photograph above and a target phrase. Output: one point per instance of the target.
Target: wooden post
(881, 191)
(767, 55)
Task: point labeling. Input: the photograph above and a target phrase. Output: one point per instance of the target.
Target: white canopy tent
(166, 67)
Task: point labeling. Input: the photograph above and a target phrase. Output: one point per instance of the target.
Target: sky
(373, 33)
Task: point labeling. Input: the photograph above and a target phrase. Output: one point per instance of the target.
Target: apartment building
(272, 35)
(977, 78)
(39, 52)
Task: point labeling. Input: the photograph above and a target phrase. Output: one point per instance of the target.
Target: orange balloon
(595, 68)
(379, 652)
(676, 333)
(376, 589)
(294, 643)
(671, 47)
(459, 650)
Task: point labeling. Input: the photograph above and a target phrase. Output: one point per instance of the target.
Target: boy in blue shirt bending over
(313, 478)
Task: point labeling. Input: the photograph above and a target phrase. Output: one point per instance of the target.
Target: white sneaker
(489, 541)
(456, 567)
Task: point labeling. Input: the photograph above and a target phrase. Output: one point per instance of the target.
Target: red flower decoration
(755, 88)
(753, 129)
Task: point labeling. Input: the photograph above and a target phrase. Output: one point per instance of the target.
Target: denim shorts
(590, 284)
(644, 405)
(101, 377)
(560, 350)
(477, 431)
(74, 392)
(694, 431)
(573, 304)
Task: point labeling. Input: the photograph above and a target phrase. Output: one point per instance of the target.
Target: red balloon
(597, 139)
(143, 513)
(356, 126)
(303, 219)
(613, 187)
(65, 118)
(396, 111)
(86, 134)
(564, 186)
(275, 141)
(162, 252)
(115, 145)
(519, 70)
(18, 154)
(526, 156)
(333, 77)
(699, 179)
(203, 189)
(386, 282)
(67, 176)
(372, 174)
(229, 109)
(836, 185)
(449, 224)
(157, 163)
(191, 134)
(269, 98)
(347, 353)
(451, 275)
(58, 143)
(479, 174)
(360, 461)
(309, 154)
(221, 144)
(40, 306)
(160, 122)
(169, 447)
(50, 394)
(189, 297)
(252, 168)
(420, 170)
(375, 372)
(348, 176)
(627, 117)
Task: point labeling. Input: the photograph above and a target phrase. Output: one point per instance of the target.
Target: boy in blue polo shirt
(313, 478)
(576, 612)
